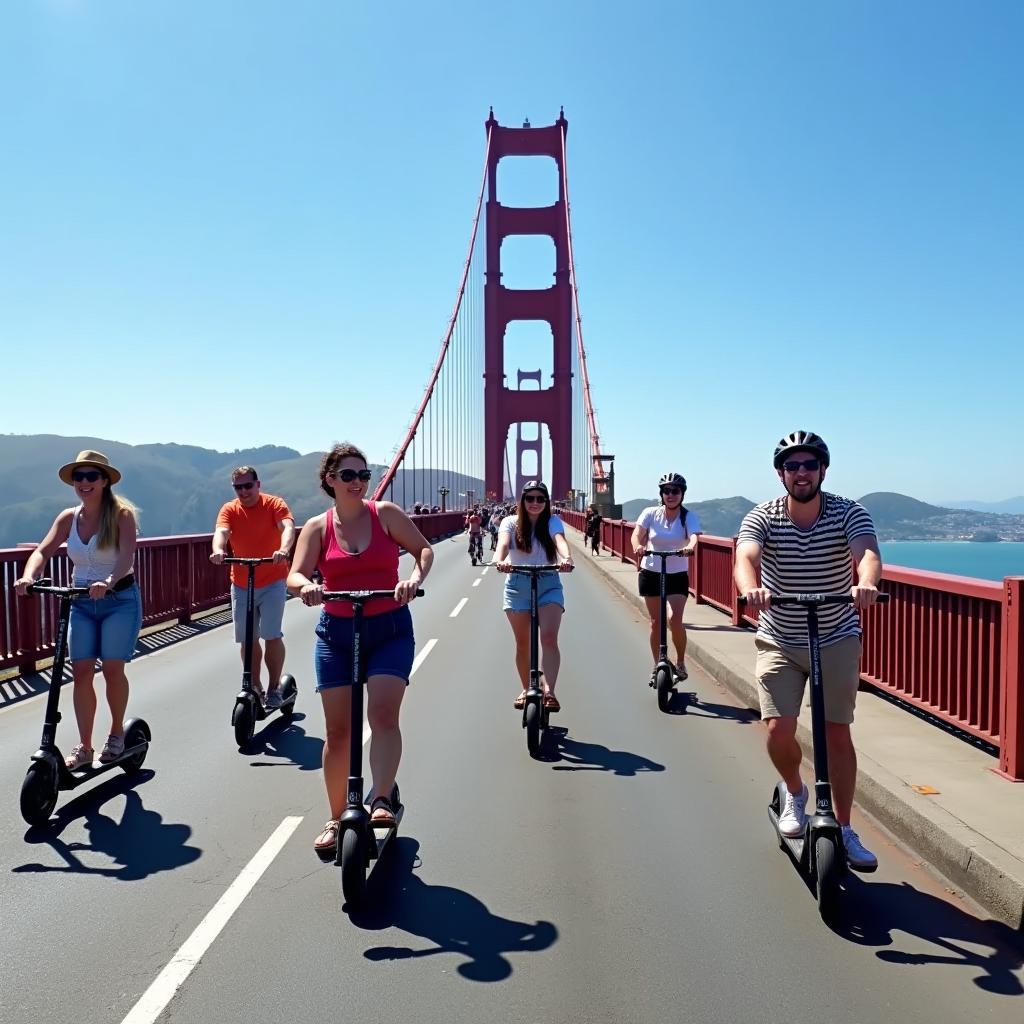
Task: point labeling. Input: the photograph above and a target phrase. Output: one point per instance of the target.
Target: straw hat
(89, 458)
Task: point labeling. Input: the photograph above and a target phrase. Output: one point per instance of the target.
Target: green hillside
(720, 517)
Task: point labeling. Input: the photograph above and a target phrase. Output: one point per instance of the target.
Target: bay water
(962, 558)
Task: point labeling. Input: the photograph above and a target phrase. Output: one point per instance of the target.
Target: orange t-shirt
(255, 534)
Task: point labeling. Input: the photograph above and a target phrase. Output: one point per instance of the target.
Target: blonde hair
(111, 507)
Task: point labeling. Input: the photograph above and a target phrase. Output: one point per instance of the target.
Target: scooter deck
(71, 779)
(382, 835)
(796, 845)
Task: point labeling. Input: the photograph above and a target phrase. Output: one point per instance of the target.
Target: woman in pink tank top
(355, 545)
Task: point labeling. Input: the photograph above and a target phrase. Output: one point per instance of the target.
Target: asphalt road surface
(627, 874)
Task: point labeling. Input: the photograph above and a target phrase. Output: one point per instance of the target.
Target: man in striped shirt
(807, 542)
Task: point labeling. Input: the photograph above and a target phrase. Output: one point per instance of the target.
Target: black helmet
(800, 441)
(673, 480)
(535, 485)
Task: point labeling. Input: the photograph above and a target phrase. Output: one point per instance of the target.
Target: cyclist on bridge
(257, 525)
(802, 543)
(474, 523)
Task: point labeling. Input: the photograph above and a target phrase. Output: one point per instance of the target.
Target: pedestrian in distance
(592, 528)
(533, 536)
(101, 534)
(355, 545)
(668, 526)
(802, 542)
(257, 525)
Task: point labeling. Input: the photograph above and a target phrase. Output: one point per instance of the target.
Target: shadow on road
(570, 755)
(873, 912)
(140, 843)
(285, 738)
(709, 709)
(456, 922)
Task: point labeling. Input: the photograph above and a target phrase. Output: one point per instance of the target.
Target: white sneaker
(794, 817)
(858, 855)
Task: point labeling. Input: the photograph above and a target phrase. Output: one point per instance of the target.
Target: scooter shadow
(140, 843)
(681, 704)
(285, 738)
(456, 922)
(872, 912)
(570, 755)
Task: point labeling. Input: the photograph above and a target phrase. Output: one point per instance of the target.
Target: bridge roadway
(629, 876)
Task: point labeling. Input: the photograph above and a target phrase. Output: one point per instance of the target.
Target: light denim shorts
(107, 629)
(517, 592)
(387, 647)
(268, 611)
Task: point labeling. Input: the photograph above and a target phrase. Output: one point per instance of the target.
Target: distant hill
(1009, 506)
(178, 488)
(720, 517)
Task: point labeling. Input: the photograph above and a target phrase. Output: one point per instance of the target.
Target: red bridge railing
(175, 576)
(952, 646)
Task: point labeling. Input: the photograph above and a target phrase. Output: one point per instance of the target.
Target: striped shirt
(815, 560)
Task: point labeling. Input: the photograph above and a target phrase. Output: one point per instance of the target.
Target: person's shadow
(286, 738)
(454, 921)
(873, 912)
(139, 845)
(570, 755)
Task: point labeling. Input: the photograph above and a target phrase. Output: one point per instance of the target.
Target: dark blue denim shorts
(387, 647)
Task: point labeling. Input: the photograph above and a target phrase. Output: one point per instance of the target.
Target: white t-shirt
(665, 536)
(536, 555)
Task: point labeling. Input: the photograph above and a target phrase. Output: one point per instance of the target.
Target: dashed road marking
(476, 583)
(458, 608)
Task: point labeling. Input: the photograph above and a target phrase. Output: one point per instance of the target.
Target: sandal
(520, 701)
(112, 749)
(80, 757)
(386, 819)
(551, 703)
(326, 844)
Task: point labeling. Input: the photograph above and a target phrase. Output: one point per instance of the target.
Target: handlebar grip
(882, 598)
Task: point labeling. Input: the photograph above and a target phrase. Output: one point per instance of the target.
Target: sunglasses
(86, 475)
(794, 465)
(245, 487)
(671, 490)
(534, 499)
(346, 476)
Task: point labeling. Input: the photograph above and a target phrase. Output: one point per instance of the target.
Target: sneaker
(859, 857)
(80, 757)
(793, 817)
(681, 673)
(112, 749)
(274, 698)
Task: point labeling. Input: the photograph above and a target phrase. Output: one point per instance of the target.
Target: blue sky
(230, 224)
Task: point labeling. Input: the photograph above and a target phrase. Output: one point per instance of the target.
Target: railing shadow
(571, 755)
(140, 842)
(285, 738)
(454, 921)
(873, 912)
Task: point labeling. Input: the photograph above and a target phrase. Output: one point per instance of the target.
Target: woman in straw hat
(101, 535)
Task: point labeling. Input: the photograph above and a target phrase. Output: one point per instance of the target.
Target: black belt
(124, 583)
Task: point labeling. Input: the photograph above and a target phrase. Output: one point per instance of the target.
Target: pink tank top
(375, 568)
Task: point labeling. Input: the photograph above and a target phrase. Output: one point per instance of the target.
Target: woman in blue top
(534, 537)
(667, 527)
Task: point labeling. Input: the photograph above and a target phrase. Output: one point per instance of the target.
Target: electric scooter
(535, 715)
(249, 709)
(664, 677)
(359, 842)
(47, 774)
(819, 852)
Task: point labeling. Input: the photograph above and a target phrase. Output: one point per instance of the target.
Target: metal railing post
(1011, 710)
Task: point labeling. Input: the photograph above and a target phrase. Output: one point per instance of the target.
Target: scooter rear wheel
(289, 694)
(532, 722)
(664, 688)
(826, 865)
(353, 866)
(244, 723)
(134, 736)
(39, 793)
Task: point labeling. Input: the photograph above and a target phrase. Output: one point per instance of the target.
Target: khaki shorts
(782, 673)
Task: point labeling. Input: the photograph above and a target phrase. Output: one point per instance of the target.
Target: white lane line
(484, 573)
(417, 661)
(459, 607)
(155, 999)
(476, 583)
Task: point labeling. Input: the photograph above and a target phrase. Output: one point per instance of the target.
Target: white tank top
(91, 563)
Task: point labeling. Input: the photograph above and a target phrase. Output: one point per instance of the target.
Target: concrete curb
(983, 870)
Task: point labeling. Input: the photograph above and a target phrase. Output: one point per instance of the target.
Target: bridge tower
(504, 406)
(524, 445)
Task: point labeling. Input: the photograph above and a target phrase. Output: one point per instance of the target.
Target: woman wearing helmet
(667, 527)
(534, 537)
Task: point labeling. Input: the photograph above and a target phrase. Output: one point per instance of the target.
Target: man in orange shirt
(258, 526)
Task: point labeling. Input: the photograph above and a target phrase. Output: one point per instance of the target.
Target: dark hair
(244, 471)
(332, 460)
(525, 532)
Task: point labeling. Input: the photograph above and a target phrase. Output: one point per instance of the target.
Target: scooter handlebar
(245, 561)
(813, 599)
(667, 554)
(537, 570)
(45, 586)
(360, 595)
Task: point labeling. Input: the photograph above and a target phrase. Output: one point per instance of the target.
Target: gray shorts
(268, 612)
(782, 673)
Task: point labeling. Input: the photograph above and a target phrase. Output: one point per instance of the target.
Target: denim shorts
(387, 647)
(108, 628)
(517, 592)
(268, 611)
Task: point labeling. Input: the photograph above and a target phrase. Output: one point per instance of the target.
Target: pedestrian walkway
(933, 790)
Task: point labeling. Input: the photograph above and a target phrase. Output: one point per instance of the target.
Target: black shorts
(675, 583)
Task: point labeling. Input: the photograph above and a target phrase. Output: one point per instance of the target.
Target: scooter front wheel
(664, 688)
(244, 723)
(826, 867)
(531, 721)
(353, 866)
(39, 793)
